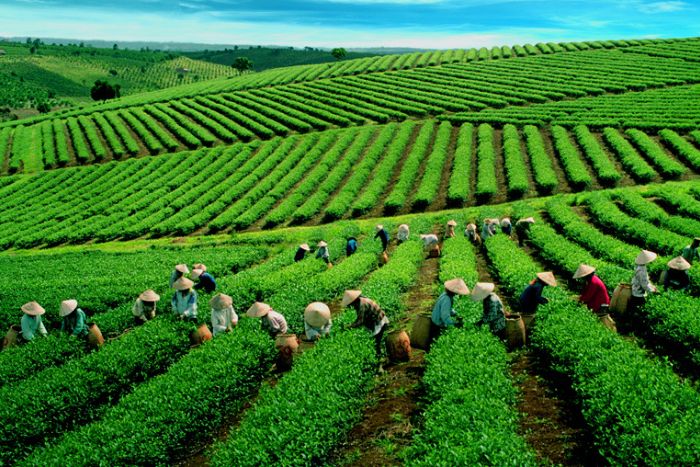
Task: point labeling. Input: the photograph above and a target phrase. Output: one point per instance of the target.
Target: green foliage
(102, 91)
(486, 184)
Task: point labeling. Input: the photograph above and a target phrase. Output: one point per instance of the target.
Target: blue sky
(350, 23)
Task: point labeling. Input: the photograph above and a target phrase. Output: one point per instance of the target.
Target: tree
(339, 53)
(115, 47)
(102, 91)
(242, 64)
(43, 107)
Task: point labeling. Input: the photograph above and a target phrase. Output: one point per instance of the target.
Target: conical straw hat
(149, 296)
(505, 221)
(547, 278)
(182, 268)
(305, 246)
(645, 257)
(33, 309)
(679, 263)
(350, 296)
(322, 244)
(495, 220)
(471, 227)
(199, 266)
(379, 227)
(68, 306)
(482, 290)
(452, 222)
(583, 270)
(220, 301)
(183, 283)
(403, 228)
(457, 286)
(258, 310)
(527, 220)
(317, 314)
(196, 273)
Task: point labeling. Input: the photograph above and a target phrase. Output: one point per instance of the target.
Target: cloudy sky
(348, 23)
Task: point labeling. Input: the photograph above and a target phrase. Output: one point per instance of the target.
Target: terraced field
(598, 141)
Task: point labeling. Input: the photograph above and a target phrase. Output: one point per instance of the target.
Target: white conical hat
(457, 286)
(220, 301)
(404, 228)
(183, 283)
(495, 220)
(322, 244)
(471, 227)
(182, 268)
(199, 266)
(482, 290)
(527, 220)
(679, 263)
(68, 306)
(305, 246)
(645, 257)
(317, 314)
(350, 296)
(196, 273)
(379, 227)
(452, 222)
(583, 270)
(33, 309)
(547, 278)
(149, 296)
(505, 221)
(258, 310)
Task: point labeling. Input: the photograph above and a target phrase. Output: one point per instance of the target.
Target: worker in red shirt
(594, 292)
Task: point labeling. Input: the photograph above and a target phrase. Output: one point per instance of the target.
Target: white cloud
(664, 7)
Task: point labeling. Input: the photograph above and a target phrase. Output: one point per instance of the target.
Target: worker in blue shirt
(444, 315)
(204, 280)
(351, 246)
(383, 236)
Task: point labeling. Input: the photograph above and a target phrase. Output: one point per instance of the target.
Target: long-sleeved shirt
(300, 254)
(175, 275)
(370, 315)
(640, 282)
(691, 254)
(185, 305)
(31, 325)
(312, 332)
(443, 311)
(486, 231)
(221, 320)
(429, 240)
(323, 253)
(351, 247)
(595, 294)
(675, 279)
(532, 297)
(403, 234)
(75, 323)
(274, 323)
(206, 281)
(507, 228)
(384, 237)
(139, 310)
(493, 313)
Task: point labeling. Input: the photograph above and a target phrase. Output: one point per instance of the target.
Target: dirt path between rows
(392, 408)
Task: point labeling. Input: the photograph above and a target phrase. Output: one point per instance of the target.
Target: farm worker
(493, 311)
(486, 229)
(470, 233)
(144, 308)
(322, 252)
(383, 236)
(199, 266)
(180, 271)
(31, 321)
(640, 281)
(431, 245)
(492, 226)
(204, 280)
(351, 246)
(450, 230)
(531, 297)
(74, 319)
(403, 233)
(317, 321)
(522, 227)
(692, 252)
(369, 315)
(506, 226)
(184, 301)
(594, 292)
(444, 315)
(677, 274)
(223, 316)
(271, 321)
(301, 252)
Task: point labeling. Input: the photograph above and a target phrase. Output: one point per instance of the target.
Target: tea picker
(144, 308)
(382, 235)
(640, 281)
(444, 315)
(270, 320)
(32, 323)
(676, 276)
(323, 253)
(369, 315)
(403, 233)
(184, 301)
(692, 252)
(594, 293)
(301, 252)
(180, 271)
(223, 316)
(74, 321)
(531, 297)
(493, 311)
(522, 228)
(317, 321)
(204, 280)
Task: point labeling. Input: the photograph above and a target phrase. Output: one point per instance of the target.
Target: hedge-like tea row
(37, 409)
(630, 158)
(673, 316)
(516, 170)
(543, 172)
(605, 169)
(574, 167)
(458, 189)
(641, 208)
(432, 176)
(90, 132)
(679, 202)
(688, 152)
(637, 409)
(163, 417)
(486, 182)
(666, 165)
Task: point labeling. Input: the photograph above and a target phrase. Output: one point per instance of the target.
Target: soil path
(551, 422)
(392, 410)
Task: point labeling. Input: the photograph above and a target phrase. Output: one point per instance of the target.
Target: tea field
(599, 142)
